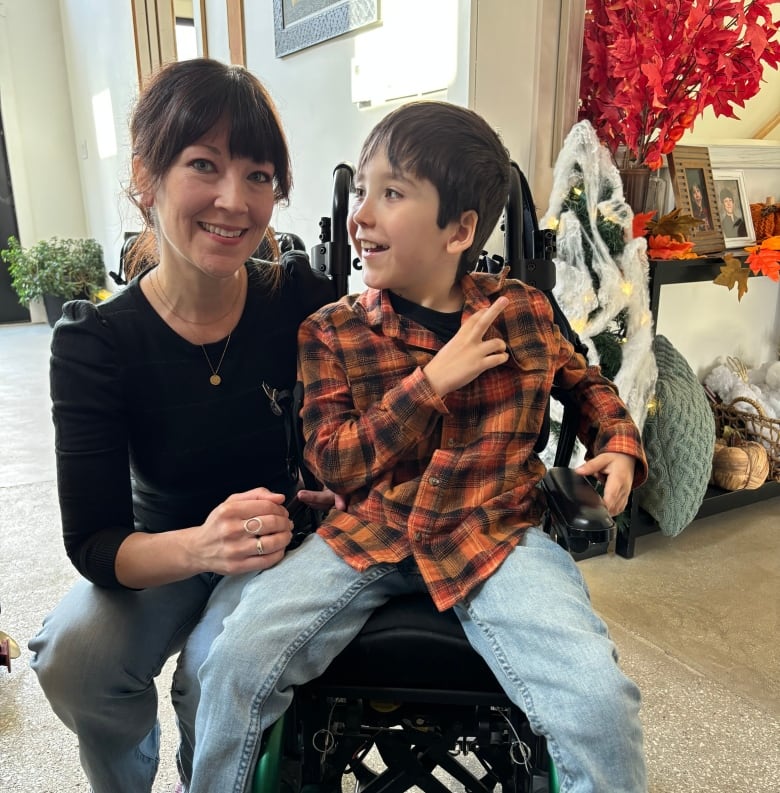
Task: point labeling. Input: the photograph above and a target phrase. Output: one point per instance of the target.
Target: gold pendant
(215, 379)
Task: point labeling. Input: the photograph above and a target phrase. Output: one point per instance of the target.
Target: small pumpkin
(738, 464)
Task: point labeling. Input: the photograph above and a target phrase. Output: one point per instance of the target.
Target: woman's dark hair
(456, 150)
(182, 102)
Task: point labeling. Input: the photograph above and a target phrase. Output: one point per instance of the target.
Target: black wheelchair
(443, 722)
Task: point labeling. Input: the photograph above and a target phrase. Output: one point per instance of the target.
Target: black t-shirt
(443, 324)
(143, 440)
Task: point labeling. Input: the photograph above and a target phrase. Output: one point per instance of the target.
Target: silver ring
(260, 550)
(255, 529)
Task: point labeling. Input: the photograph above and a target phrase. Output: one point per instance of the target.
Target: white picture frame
(731, 183)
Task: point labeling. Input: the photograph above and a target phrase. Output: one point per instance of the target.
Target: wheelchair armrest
(577, 516)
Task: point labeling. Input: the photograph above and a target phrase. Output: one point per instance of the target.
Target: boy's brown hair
(456, 150)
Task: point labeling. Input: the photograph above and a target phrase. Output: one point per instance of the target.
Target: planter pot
(635, 184)
(54, 303)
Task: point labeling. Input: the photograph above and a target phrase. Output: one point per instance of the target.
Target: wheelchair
(442, 723)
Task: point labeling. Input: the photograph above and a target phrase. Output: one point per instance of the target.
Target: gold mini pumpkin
(738, 464)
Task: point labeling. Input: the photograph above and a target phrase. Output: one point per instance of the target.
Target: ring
(260, 550)
(254, 529)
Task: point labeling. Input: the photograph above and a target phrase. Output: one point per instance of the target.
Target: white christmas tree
(601, 268)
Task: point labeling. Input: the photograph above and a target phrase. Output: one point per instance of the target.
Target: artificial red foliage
(651, 67)
(640, 222)
(764, 259)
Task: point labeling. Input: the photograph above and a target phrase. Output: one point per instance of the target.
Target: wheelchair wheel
(268, 772)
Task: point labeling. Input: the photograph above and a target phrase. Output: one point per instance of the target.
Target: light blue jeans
(532, 622)
(97, 656)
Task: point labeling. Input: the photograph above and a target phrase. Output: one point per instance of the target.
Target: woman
(699, 209)
(172, 463)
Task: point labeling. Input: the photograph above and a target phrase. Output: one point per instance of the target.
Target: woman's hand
(248, 531)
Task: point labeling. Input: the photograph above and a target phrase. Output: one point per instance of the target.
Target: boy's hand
(616, 471)
(467, 354)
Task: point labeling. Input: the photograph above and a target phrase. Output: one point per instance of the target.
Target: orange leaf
(663, 246)
(639, 227)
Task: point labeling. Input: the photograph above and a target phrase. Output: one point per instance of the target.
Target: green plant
(65, 268)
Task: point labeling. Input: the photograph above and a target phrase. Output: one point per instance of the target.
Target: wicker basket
(752, 427)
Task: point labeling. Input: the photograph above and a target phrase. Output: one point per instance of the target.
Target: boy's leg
(96, 658)
(533, 623)
(291, 622)
(185, 687)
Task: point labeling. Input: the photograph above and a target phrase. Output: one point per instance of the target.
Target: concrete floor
(695, 619)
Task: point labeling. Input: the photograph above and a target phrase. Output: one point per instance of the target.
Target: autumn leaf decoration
(650, 68)
(732, 274)
(763, 259)
(667, 237)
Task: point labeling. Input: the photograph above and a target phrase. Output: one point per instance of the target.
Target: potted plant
(55, 271)
(649, 69)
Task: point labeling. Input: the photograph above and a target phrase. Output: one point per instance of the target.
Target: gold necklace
(215, 379)
(154, 279)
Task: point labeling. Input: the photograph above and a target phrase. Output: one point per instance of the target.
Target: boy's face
(392, 225)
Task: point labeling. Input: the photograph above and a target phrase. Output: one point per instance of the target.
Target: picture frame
(299, 24)
(734, 209)
(694, 191)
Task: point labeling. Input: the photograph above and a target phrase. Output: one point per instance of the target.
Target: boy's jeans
(532, 621)
(97, 656)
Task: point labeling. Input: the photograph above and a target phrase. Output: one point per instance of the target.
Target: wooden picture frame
(735, 218)
(314, 21)
(694, 191)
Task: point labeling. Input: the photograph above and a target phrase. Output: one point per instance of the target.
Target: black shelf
(686, 271)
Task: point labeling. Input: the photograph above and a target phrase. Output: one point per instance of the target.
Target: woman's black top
(143, 440)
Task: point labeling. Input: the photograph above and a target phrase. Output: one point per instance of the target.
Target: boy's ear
(464, 230)
(143, 182)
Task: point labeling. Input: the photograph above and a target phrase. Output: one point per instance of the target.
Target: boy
(424, 397)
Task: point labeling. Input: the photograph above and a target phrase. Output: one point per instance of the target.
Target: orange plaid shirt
(451, 482)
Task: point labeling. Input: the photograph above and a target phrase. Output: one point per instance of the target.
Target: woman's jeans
(97, 656)
(531, 620)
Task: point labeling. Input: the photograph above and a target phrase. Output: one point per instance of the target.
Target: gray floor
(695, 619)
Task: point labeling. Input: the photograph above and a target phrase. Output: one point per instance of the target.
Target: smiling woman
(168, 449)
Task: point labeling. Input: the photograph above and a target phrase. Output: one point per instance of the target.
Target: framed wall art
(734, 209)
(694, 192)
(303, 23)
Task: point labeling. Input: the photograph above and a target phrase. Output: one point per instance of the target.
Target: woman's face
(696, 194)
(211, 210)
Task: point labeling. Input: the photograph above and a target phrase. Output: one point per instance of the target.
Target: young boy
(424, 398)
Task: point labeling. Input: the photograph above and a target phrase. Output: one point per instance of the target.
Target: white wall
(103, 83)
(38, 122)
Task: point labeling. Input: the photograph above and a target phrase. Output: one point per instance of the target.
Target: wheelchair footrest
(577, 516)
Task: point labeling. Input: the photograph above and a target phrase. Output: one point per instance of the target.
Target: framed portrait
(303, 23)
(734, 209)
(694, 193)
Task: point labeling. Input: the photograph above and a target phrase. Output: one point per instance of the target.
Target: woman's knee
(70, 660)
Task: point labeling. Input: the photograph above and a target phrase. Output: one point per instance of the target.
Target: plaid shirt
(453, 481)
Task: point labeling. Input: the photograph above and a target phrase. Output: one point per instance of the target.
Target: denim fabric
(533, 624)
(532, 621)
(96, 658)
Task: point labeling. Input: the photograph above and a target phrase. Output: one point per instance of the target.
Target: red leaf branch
(651, 67)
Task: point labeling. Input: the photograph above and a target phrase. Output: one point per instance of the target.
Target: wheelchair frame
(404, 723)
